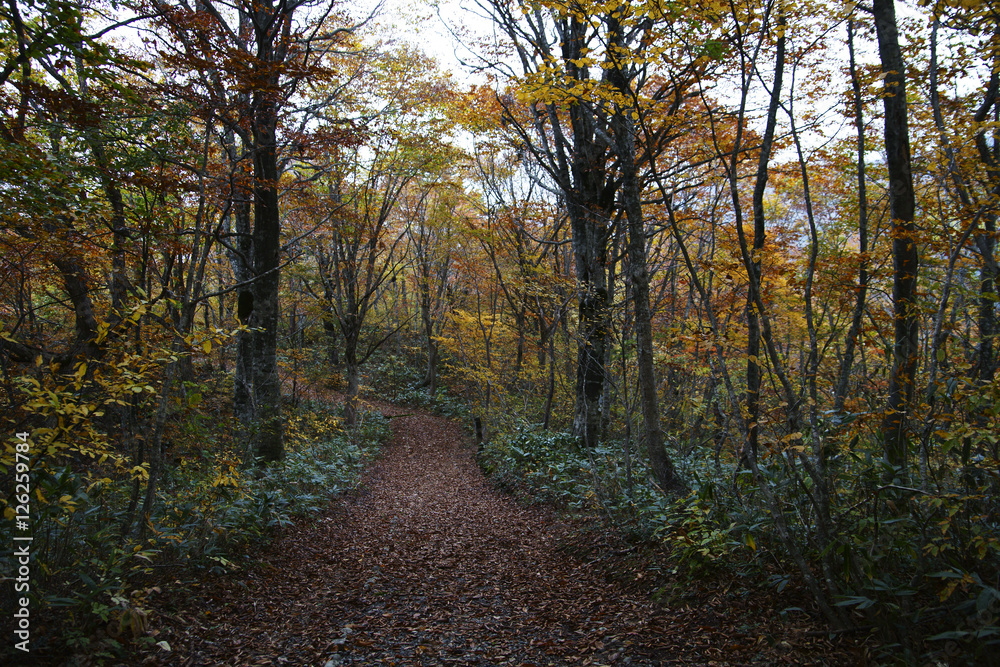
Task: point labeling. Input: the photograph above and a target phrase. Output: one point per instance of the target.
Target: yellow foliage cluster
(304, 428)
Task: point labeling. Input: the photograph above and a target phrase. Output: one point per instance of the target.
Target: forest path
(431, 566)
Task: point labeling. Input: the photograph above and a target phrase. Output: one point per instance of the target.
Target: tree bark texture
(905, 256)
(840, 394)
(589, 201)
(754, 268)
(638, 274)
(268, 21)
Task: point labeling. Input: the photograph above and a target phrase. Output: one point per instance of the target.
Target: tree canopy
(742, 253)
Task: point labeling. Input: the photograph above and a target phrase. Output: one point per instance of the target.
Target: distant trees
(360, 249)
(592, 76)
(251, 62)
(433, 214)
(565, 130)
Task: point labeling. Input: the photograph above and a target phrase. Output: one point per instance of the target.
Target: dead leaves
(430, 566)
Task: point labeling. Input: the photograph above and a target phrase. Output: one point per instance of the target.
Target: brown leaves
(431, 566)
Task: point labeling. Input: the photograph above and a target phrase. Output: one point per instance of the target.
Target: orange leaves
(478, 110)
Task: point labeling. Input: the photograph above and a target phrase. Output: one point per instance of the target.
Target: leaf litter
(429, 565)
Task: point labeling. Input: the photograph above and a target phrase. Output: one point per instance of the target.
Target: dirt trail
(430, 566)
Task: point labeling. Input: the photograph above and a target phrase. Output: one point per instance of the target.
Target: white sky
(419, 23)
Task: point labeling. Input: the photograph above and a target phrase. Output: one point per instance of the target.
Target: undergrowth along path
(428, 565)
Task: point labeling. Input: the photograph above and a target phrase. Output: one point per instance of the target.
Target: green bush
(699, 528)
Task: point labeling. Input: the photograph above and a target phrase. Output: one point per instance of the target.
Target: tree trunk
(240, 253)
(624, 138)
(590, 365)
(266, 249)
(576, 157)
(332, 330)
(430, 377)
(427, 319)
(905, 258)
(550, 395)
(986, 364)
(840, 395)
(986, 361)
(754, 268)
(589, 222)
(118, 285)
(77, 284)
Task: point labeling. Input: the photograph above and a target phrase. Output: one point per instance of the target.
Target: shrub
(100, 582)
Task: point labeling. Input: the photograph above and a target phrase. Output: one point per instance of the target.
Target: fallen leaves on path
(428, 565)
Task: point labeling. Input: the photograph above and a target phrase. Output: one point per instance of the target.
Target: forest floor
(429, 565)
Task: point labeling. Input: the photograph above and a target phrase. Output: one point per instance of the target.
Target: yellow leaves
(97, 484)
(968, 5)
(226, 475)
(795, 448)
(302, 429)
(103, 329)
(207, 340)
(7, 337)
(68, 503)
(70, 429)
(948, 590)
(553, 87)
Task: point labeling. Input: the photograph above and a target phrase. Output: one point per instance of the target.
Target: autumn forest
(715, 281)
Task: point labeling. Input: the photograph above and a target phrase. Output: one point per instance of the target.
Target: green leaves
(713, 49)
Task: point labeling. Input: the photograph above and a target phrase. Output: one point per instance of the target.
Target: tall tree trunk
(905, 258)
(986, 360)
(77, 284)
(663, 467)
(431, 376)
(590, 371)
(754, 268)
(576, 157)
(550, 394)
(266, 250)
(607, 397)
(243, 405)
(238, 228)
(624, 138)
(118, 284)
(332, 330)
(840, 393)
